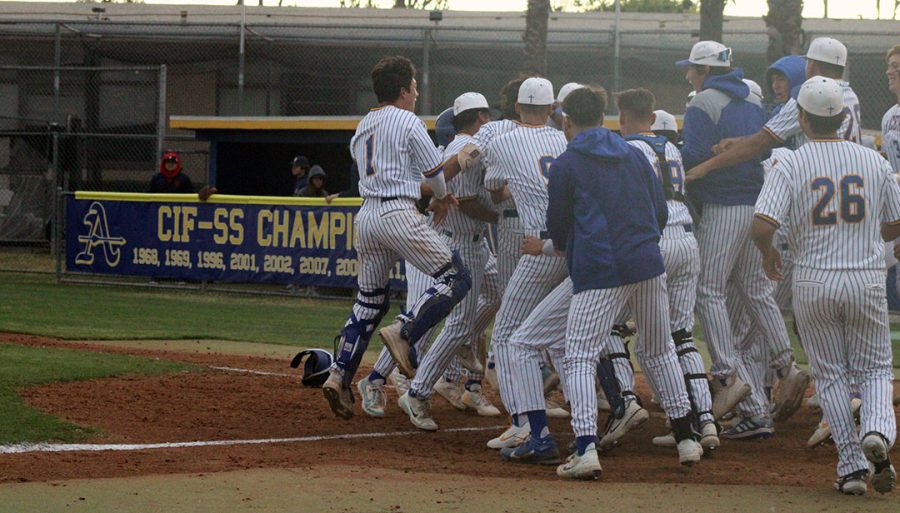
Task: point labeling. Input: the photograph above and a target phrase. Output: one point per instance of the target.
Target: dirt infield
(217, 405)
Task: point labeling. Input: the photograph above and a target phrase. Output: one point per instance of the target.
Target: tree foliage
(677, 6)
(784, 28)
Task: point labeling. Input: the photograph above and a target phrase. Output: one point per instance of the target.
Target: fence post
(55, 176)
(57, 63)
(426, 73)
(161, 115)
(58, 232)
(617, 36)
(241, 62)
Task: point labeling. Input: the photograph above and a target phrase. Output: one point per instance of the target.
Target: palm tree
(783, 24)
(711, 18)
(536, 37)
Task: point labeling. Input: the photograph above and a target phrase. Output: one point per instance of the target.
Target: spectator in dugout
(300, 170)
(170, 179)
(316, 186)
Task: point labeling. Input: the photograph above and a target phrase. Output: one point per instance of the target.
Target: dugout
(252, 155)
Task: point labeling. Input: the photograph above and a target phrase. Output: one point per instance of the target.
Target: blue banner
(229, 239)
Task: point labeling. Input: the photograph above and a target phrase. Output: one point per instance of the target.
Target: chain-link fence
(103, 96)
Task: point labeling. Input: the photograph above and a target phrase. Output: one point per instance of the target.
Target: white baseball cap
(826, 49)
(821, 96)
(708, 53)
(566, 89)
(755, 89)
(536, 91)
(664, 121)
(467, 101)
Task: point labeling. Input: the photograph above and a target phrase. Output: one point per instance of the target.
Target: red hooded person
(170, 179)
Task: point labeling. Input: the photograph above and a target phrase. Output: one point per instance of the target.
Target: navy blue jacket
(720, 111)
(608, 210)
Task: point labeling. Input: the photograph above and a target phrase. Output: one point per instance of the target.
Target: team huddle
(601, 236)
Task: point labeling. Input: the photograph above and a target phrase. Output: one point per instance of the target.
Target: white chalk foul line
(33, 448)
(251, 371)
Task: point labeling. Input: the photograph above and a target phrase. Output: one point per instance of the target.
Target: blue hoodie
(720, 111)
(608, 210)
(794, 68)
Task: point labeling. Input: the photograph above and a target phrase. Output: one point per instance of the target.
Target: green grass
(36, 304)
(22, 366)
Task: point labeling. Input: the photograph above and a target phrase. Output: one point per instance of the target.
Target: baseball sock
(537, 419)
(376, 379)
(582, 443)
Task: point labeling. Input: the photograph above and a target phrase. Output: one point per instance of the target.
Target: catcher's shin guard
(692, 367)
(452, 284)
(607, 378)
(369, 309)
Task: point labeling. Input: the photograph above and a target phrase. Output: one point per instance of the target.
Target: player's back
(851, 128)
(839, 191)
(388, 155)
(466, 185)
(678, 211)
(890, 136)
(522, 159)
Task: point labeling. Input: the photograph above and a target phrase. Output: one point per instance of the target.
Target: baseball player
(842, 200)
(518, 165)
(394, 153)
(723, 108)
(680, 254)
(607, 209)
(464, 231)
(890, 123)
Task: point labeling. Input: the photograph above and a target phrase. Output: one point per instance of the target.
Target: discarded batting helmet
(315, 369)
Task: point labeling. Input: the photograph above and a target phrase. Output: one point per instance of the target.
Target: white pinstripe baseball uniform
(521, 160)
(890, 136)
(785, 126)
(836, 195)
(394, 154)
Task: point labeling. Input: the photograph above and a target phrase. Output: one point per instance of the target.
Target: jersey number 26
(852, 203)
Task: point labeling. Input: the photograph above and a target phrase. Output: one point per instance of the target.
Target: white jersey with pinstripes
(890, 136)
(786, 124)
(465, 186)
(521, 159)
(835, 195)
(393, 152)
(487, 133)
(678, 211)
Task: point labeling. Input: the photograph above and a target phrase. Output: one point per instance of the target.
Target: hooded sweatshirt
(794, 68)
(720, 111)
(607, 209)
(174, 181)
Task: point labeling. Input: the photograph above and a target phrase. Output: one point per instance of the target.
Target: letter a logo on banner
(98, 235)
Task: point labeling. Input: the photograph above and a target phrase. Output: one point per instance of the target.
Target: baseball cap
(708, 53)
(443, 127)
(301, 161)
(536, 91)
(821, 96)
(826, 49)
(664, 121)
(467, 101)
(566, 89)
(755, 89)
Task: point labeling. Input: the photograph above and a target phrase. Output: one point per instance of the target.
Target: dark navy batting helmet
(315, 370)
(444, 129)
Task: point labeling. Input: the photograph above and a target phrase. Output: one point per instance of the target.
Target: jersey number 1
(853, 205)
(370, 152)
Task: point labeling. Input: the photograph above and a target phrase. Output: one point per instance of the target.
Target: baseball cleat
(853, 483)
(689, 452)
(709, 436)
(401, 383)
(374, 399)
(727, 395)
(791, 389)
(477, 401)
(884, 477)
(468, 360)
(555, 410)
(540, 451)
(633, 417)
(451, 392)
(585, 466)
(667, 440)
(398, 347)
(823, 431)
(419, 412)
(514, 436)
(339, 397)
(750, 428)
